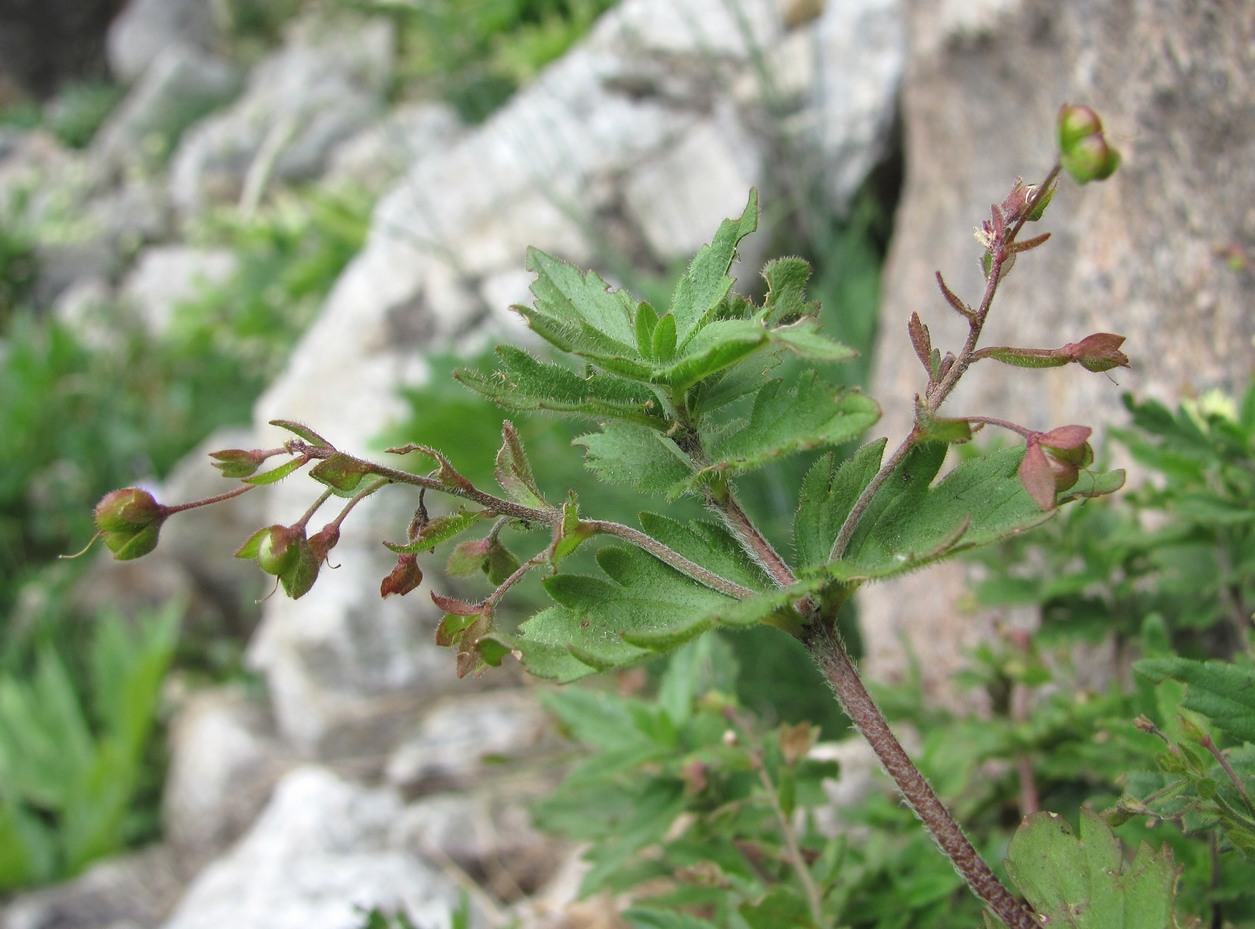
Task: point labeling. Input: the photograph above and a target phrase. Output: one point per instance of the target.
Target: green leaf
(912, 522)
(805, 339)
(787, 420)
(577, 312)
(710, 545)
(304, 432)
(514, 472)
(706, 282)
(786, 289)
(646, 320)
(523, 383)
(1225, 693)
(645, 918)
(1082, 881)
(641, 606)
(637, 456)
(342, 473)
(781, 906)
(828, 494)
(276, 474)
(716, 347)
(438, 530)
(662, 345)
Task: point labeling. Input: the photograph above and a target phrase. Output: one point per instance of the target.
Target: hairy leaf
(786, 420)
(912, 522)
(639, 457)
(514, 471)
(1225, 693)
(641, 607)
(523, 383)
(438, 530)
(342, 473)
(708, 544)
(706, 282)
(716, 347)
(1081, 880)
(582, 301)
(828, 494)
(276, 474)
(786, 289)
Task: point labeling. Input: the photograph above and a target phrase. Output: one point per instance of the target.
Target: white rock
(316, 853)
(680, 196)
(224, 761)
(450, 746)
(182, 84)
(299, 104)
(166, 276)
(145, 28)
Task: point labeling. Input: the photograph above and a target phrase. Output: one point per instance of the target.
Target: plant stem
(828, 651)
(1001, 253)
(792, 849)
(669, 556)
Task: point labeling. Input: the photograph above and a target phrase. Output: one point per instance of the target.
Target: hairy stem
(1001, 253)
(828, 651)
(669, 556)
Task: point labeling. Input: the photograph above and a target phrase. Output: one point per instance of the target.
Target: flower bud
(278, 548)
(1076, 122)
(1084, 152)
(236, 462)
(405, 576)
(130, 521)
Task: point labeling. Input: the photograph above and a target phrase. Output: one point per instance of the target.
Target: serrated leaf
(804, 339)
(304, 432)
(786, 289)
(716, 347)
(276, 474)
(640, 606)
(514, 472)
(1223, 692)
(912, 522)
(828, 493)
(438, 530)
(342, 473)
(1081, 880)
(706, 282)
(639, 457)
(708, 544)
(524, 383)
(584, 301)
(787, 420)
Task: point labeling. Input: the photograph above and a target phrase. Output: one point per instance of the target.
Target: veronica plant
(683, 402)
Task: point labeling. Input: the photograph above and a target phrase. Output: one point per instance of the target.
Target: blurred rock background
(220, 213)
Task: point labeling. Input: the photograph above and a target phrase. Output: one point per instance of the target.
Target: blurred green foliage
(476, 53)
(76, 748)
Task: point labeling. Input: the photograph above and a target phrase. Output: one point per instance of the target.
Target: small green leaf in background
(1082, 881)
(1223, 692)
